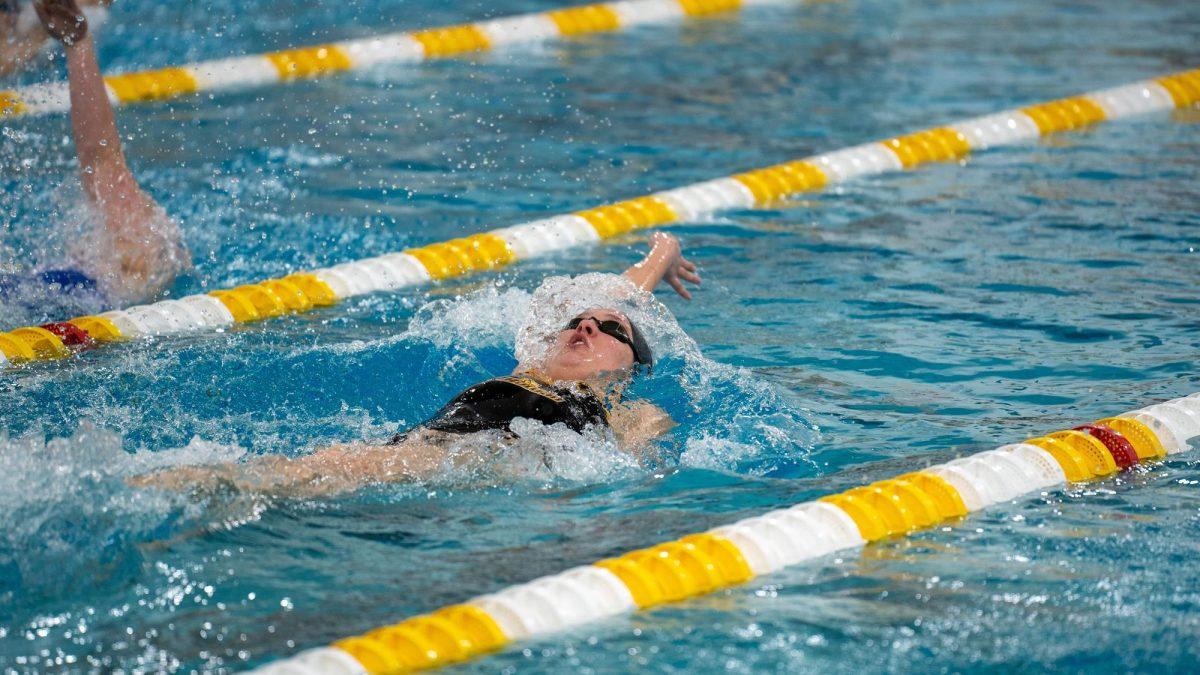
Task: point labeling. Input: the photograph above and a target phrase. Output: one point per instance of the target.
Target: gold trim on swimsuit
(531, 385)
(542, 388)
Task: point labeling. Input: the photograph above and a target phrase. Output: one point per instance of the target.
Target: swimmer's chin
(583, 371)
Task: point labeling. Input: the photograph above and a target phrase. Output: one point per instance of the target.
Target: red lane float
(71, 335)
(1118, 446)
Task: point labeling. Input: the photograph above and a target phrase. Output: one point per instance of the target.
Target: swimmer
(134, 250)
(579, 384)
(22, 36)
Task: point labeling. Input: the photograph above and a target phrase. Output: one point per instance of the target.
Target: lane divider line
(405, 47)
(699, 564)
(306, 291)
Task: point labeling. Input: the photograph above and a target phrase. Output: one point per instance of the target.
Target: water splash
(490, 316)
(535, 456)
(731, 421)
(69, 521)
(54, 235)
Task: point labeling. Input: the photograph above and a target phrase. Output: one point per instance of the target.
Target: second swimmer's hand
(62, 20)
(677, 268)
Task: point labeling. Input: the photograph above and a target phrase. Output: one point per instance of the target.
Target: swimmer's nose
(588, 326)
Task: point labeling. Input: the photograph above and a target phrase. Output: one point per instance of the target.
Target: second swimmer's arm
(664, 261)
(102, 167)
(145, 251)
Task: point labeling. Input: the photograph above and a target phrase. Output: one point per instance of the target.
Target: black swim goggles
(614, 329)
(610, 327)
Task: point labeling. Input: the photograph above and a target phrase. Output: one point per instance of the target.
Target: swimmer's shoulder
(637, 422)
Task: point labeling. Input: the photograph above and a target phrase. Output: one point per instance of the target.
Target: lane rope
(255, 70)
(306, 291)
(732, 554)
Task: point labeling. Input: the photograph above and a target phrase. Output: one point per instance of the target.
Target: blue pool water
(847, 337)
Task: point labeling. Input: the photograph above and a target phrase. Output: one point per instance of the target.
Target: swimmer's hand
(665, 261)
(62, 20)
(269, 475)
(679, 268)
(199, 481)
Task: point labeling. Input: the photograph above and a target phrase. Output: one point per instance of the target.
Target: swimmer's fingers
(687, 271)
(679, 287)
(62, 20)
(196, 480)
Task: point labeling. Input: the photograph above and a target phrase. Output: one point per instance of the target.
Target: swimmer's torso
(494, 404)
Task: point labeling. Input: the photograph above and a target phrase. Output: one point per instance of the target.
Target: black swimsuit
(494, 404)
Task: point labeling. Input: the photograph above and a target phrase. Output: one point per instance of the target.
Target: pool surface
(864, 331)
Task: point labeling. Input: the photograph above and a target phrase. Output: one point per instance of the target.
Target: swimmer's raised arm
(141, 252)
(664, 261)
(101, 160)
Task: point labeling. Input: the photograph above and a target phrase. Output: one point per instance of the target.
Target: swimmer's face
(584, 352)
